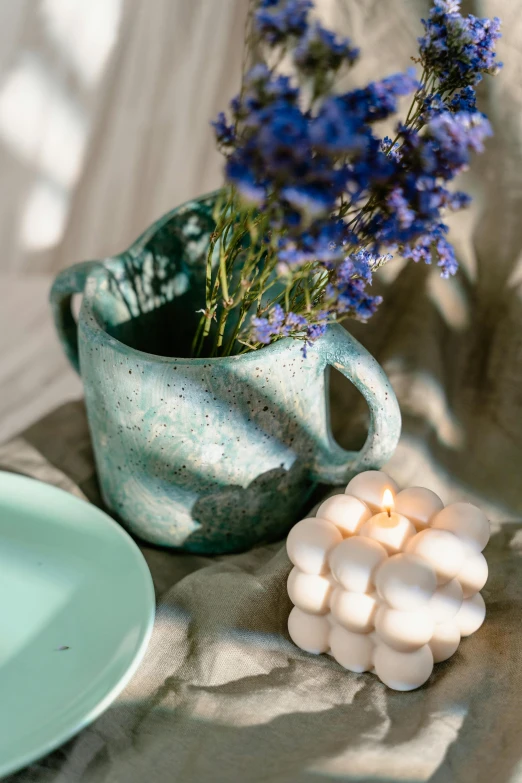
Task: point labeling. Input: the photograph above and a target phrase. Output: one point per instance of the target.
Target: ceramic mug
(210, 455)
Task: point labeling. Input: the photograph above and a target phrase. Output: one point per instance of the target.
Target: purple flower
(464, 100)
(446, 259)
(410, 201)
(276, 155)
(345, 271)
(443, 148)
(335, 128)
(276, 20)
(295, 322)
(225, 134)
(278, 324)
(458, 50)
(261, 87)
(483, 34)
(372, 168)
(322, 242)
(397, 204)
(367, 307)
(245, 182)
(346, 292)
(432, 106)
(261, 330)
(379, 99)
(325, 184)
(320, 51)
(257, 76)
(363, 263)
(390, 148)
(457, 200)
(434, 244)
(277, 316)
(350, 298)
(313, 332)
(283, 133)
(280, 87)
(453, 136)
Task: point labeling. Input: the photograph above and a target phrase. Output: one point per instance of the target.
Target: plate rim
(24, 760)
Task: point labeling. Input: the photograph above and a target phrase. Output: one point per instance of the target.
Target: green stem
(196, 342)
(230, 345)
(220, 331)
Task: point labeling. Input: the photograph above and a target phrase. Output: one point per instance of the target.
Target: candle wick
(389, 512)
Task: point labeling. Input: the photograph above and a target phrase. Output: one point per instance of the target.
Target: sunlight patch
(42, 124)
(86, 31)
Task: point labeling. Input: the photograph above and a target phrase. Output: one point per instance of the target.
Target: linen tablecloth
(222, 694)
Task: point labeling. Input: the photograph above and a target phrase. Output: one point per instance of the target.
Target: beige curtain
(105, 109)
(104, 119)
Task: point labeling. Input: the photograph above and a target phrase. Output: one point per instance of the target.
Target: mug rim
(278, 347)
(102, 267)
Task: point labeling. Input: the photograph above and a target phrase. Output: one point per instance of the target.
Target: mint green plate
(76, 614)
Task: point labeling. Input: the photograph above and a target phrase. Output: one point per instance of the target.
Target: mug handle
(335, 465)
(67, 283)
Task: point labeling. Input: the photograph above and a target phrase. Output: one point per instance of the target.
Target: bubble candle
(387, 581)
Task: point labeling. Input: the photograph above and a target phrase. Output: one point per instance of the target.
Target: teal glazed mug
(208, 455)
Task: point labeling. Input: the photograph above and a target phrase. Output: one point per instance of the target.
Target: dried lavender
(315, 200)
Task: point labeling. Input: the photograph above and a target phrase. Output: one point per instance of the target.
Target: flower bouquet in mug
(315, 199)
(202, 440)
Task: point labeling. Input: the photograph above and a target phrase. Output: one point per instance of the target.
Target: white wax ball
(354, 651)
(354, 562)
(419, 505)
(404, 631)
(403, 671)
(446, 601)
(445, 641)
(467, 522)
(393, 531)
(405, 581)
(310, 592)
(310, 632)
(309, 543)
(471, 615)
(370, 486)
(473, 574)
(354, 611)
(441, 549)
(346, 512)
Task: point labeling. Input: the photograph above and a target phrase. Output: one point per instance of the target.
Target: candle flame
(387, 501)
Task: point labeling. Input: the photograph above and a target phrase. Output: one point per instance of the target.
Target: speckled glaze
(210, 455)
